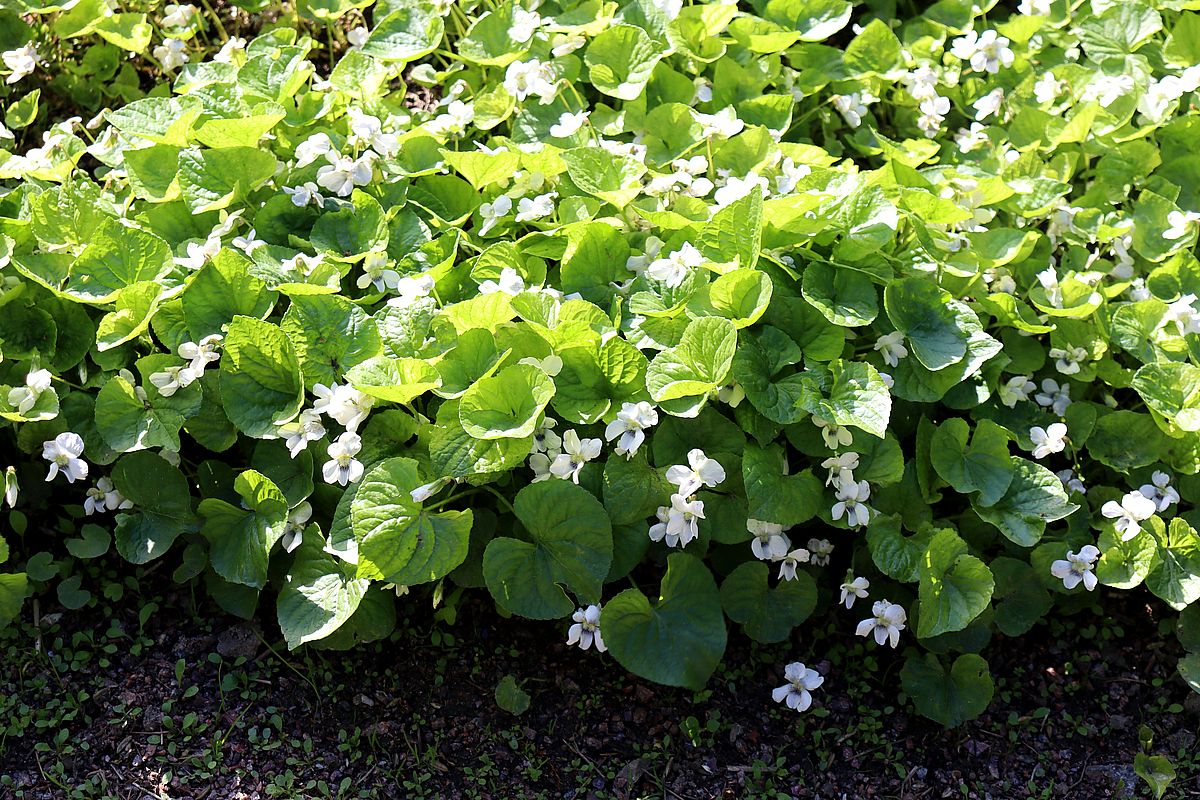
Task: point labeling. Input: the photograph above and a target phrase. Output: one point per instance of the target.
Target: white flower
(789, 563)
(231, 46)
(302, 430)
(525, 78)
(737, 188)
(576, 452)
(700, 471)
(343, 403)
(630, 425)
(800, 681)
(566, 43)
(673, 268)
(377, 274)
(723, 123)
(369, 130)
(852, 108)
(11, 487)
(455, 119)
(1048, 440)
(677, 523)
(1054, 396)
(248, 243)
(770, 543)
(933, 114)
(1015, 390)
(104, 497)
(410, 289)
(172, 379)
(988, 105)
(969, 139)
(540, 464)
(922, 83)
(1180, 222)
(171, 54)
(586, 630)
(200, 354)
(854, 589)
(1134, 507)
(1160, 491)
(293, 531)
(304, 194)
(1077, 568)
(177, 16)
(343, 467)
(568, 124)
(891, 347)
(343, 173)
(886, 623)
(1047, 88)
(821, 549)
(22, 62)
(987, 52)
(24, 398)
(510, 283)
(841, 469)
(789, 175)
(851, 502)
(835, 436)
(1183, 313)
(1035, 8)
(64, 452)
(1070, 481)
(428, 490)
(1107, 89)
(524, 25)
(357, 37)
(539, 207)
(311, 149)
(493, 212)
(545, 440)
(1068, 359)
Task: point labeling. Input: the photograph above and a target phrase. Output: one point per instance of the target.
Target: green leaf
(955, 587)
(858, 397)
(984, 467)
(610, 177)
(330, 335)
(1126, 440)
(396, 380)
(12, 595)
(319, 593)
(767, 614)
(569, 545)
(1035, 496)
(633, 490)
(734, 234)
(507, 404)
(741, 296)
(679, 639)
(350, 233)
(261, 384)
(399, 542)
(897, 556)
(1172, 391)
(620, 60)
(593, 382)
(240, 537)
(1175, 576)
(772, 495)
(118, 257)
(757, 367)
(874, 51)
(935, 325)
(214, 179)
(160, 493)
(1020, 598)
(949, 699)
(406, 34)
(844, 296)
(511, 697)
(23, 112)
(697, 365)
(221, 290)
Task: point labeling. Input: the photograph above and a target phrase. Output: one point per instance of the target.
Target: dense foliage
(760, 308)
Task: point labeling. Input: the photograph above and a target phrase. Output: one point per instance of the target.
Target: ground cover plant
(643, 319)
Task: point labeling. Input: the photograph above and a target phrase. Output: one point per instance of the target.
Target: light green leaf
(955, 587)
(1034, 497)
(261, 384)
(620, 60)
(319, 593)
(697, 365)
(507, 404)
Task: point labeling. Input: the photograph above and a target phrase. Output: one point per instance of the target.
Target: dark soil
(412, 718)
